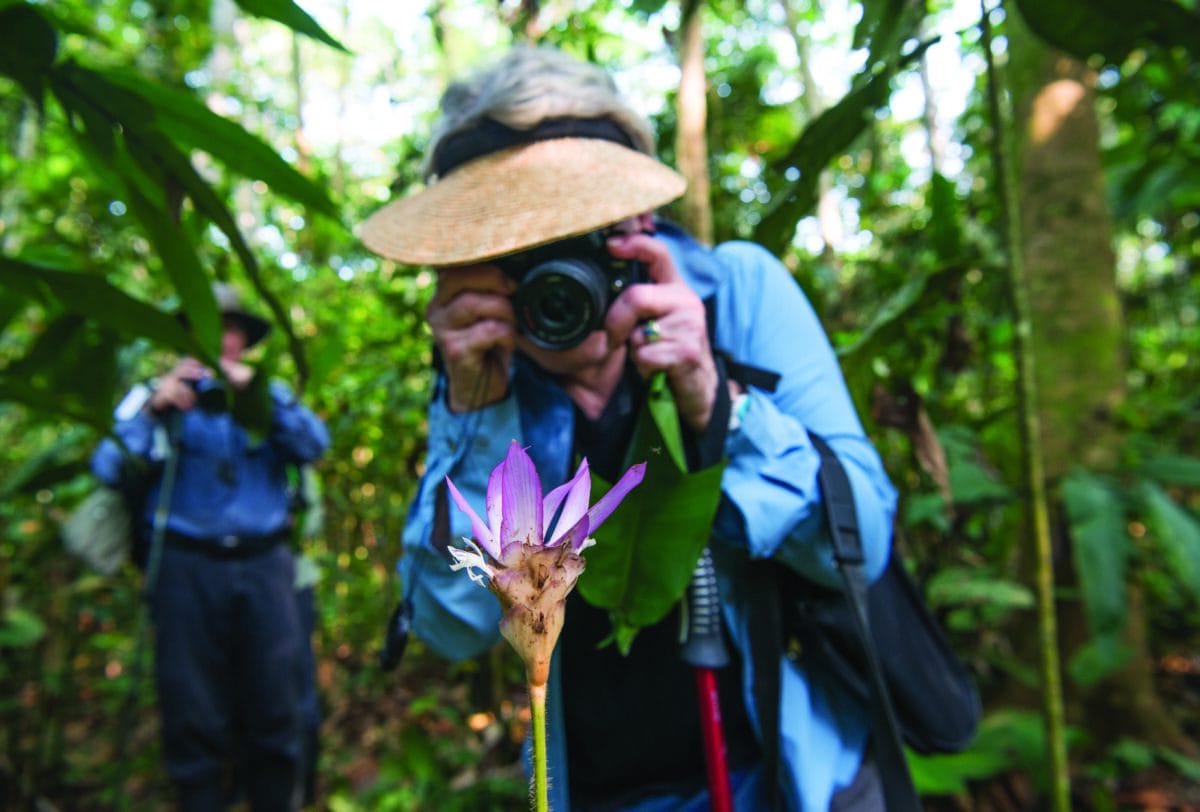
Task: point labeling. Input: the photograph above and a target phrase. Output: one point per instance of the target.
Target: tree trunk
(1076, 337)
(691, 146)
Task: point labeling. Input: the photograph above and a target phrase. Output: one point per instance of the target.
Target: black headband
(491, 136)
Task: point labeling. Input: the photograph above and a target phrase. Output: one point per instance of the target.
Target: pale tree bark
(829, 217)
(691, 145)
(1075, 333)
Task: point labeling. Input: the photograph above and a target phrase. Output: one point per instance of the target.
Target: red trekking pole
(704, 649)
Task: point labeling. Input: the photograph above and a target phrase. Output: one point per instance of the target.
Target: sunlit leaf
(20, 628)
(291, 15)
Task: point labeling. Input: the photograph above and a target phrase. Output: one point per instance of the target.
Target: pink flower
(530, 573)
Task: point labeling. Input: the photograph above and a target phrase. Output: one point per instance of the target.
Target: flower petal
(521, 500)
(575, 535)
(608, 503)
(574, 505)
(495, 500)
(482, 534)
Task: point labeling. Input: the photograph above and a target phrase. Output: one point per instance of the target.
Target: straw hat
(520, 198)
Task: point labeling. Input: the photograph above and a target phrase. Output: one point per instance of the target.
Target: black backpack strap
(838, 499)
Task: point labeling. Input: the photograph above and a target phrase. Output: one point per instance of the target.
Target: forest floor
(432, 736)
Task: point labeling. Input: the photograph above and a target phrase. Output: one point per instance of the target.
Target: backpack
(879, 642)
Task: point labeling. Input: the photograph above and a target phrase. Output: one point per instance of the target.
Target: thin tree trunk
(829, 217)
(1037, 510)
(691, 147)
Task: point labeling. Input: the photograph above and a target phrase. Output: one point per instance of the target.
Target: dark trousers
(229, 671)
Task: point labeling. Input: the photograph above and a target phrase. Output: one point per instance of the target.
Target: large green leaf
(1111, 28)
(1096, 514)
(108, 114)
(28, 44)
(157, 155)
(647, 550)
(1177, 533)
(70, 370)
(291, 15)
(188, 121)
(94, 296)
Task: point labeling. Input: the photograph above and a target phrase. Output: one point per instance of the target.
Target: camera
(565, 288)
(211, 394)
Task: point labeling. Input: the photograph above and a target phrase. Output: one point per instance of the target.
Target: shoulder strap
(838, 499)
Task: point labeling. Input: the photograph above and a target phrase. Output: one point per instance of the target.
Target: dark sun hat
(229, 305)
(499, 190)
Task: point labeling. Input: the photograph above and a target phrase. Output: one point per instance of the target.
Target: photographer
(542, 184)
(229, 639)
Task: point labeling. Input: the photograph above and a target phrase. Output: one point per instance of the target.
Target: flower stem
(537, 702)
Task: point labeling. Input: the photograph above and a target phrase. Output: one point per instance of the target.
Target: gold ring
(651, 331)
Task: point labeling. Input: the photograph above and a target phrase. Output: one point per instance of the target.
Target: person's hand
(473, 324)
(665, 327)
(176, 389)
(238, 374)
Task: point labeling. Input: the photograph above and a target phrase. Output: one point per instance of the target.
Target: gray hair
(529, 85)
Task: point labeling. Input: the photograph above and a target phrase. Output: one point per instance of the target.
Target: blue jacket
(227, 482)
(770, 503)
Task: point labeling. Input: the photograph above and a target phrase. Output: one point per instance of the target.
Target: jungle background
(994, 206)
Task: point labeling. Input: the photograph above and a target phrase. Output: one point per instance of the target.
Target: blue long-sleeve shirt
(770, 507)
(227, 482)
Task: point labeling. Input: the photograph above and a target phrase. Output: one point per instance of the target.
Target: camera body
(211, 395)
(565, 288)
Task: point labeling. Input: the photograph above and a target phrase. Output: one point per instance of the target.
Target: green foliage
(1101, 549)
(1111, 28)
(122, 194)
(647, 550)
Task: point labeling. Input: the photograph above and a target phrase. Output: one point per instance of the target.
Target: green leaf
(946, 218)
(252, 406)
(28, 44)
(1177, 534)
(1097, 659)
(190, 122)
(72, 364)
(1111, 28)
(1172, 469)
(828, 136)
(291, 15)
(84, 93)
(95, 297)
(1096, 516)
(21, 628)
(957, 586)
(894, 309)
(645, 553)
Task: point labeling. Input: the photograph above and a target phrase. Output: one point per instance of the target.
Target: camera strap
(162, 509)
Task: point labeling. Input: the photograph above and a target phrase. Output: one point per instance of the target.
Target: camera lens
(561, 301)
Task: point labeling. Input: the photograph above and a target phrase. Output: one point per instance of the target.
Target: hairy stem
(537, 702)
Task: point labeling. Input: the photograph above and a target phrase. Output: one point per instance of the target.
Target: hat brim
(521, 198)
(255, 328)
